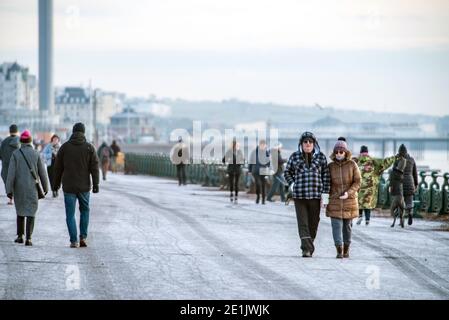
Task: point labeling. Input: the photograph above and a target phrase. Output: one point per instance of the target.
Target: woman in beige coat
(343, 204)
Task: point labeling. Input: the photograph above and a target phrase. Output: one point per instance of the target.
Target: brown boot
(83, 243)
(346, 251)
(339, 252)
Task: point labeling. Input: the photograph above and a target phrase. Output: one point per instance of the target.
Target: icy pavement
(150, 239)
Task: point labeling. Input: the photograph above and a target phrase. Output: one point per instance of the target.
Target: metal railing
(432, 195)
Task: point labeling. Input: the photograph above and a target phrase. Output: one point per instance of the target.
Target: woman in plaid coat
(307, 173)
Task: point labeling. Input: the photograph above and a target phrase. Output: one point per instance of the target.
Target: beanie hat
(341, 146)
(341, 139)
(363, 149)
(25, 137)
(79, 127)
(13, 129)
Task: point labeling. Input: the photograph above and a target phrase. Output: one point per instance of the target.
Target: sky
(354, 54)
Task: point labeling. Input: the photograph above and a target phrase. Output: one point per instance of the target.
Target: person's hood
(402, 150)
(14, 141)
(316, 148)
(103, 145)
(77, 138)
(347, 157)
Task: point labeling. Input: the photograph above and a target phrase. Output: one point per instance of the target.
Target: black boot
(29, 230)
(258, 199)
(20, 229)
(410, 217)
(231, 197)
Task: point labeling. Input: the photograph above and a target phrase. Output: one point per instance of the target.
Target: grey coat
(8, 146)
(20, 182)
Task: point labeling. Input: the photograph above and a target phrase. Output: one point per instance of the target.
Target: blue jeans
(70, 207)
(341, 231)
(278, 185)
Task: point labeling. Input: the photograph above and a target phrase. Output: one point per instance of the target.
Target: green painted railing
(432, 195)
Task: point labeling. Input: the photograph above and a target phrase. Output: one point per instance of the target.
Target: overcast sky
(388, 55)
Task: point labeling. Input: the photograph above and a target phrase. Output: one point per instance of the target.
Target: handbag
(40, 193)
(265, 171)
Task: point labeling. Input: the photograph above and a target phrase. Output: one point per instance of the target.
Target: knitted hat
(363, 149)
(25, 137)
(341, 146)
(79, 127)
(13, 129)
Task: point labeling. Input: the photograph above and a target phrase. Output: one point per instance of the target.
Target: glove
(344, 196)
(9, 195)
(95, 189)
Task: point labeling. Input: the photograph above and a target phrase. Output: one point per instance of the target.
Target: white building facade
(18, 88)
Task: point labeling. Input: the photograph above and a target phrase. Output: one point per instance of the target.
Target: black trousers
(21, 226)
(181, 172)
(367, 214)
(260, 185)
(234, 178)
(308, 217)
(50, 175)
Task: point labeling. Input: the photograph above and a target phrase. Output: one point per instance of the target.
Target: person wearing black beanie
(7, 147)
(79, 127)
(75, 166)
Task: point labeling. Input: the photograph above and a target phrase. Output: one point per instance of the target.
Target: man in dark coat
(410, 182)
(76, 163)
(8, 146)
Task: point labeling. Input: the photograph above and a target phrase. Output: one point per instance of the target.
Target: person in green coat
(371, 170)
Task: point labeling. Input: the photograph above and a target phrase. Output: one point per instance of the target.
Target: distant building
(108, 104)
(130, 126)
(18, 88)
(73, 104)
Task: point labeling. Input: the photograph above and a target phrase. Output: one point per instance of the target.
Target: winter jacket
(115, 148)
(256, 162)
(234, 159)
(410, 177)
(8, 146)
(76, 162)
(345, 177)
(49, 153)
(309, 182)
(104, 153)
(21, 183)
(371, 169)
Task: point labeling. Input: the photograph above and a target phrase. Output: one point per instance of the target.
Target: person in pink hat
(25, 167)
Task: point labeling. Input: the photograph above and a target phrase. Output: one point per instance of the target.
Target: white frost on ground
(150, 239)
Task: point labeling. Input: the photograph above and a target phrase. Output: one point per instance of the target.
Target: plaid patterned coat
(308, 182)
